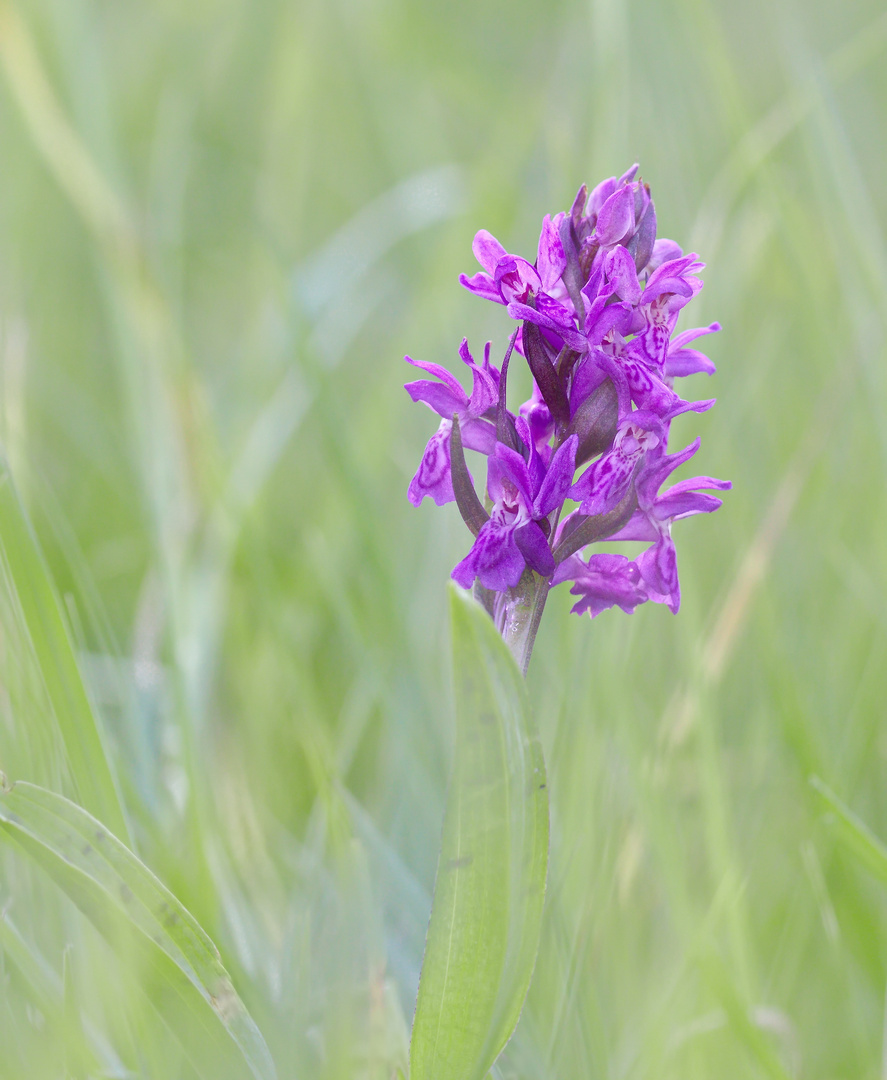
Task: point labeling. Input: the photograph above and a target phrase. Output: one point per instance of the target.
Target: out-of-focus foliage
(222, 224)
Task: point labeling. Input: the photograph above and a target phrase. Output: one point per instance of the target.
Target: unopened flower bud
(595, 422)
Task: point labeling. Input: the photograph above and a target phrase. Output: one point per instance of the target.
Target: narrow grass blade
(27, 575)
(136, 913)
(855, 835)
(44, 985)
(488, 898)
(46, 991)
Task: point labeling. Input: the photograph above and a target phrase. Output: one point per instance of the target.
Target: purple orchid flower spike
(597, 312)
(447, 398)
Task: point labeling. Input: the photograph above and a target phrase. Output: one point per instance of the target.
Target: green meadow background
(222, 225)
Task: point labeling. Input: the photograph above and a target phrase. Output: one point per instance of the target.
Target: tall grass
(222, 224)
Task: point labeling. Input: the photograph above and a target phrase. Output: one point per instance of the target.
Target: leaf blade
(129, 905)
(853, 832)
(81, 735)
(487, 910)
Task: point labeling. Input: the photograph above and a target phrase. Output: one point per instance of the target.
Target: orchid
(597, 313)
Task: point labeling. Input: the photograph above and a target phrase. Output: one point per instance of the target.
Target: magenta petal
(591, 372)
(551, 261)
(600, 194)
(664, 251)
(639, 527)
(685, 498)
(538, 418)
(437, 397)
(652, 344)
(616, 217)
(494, 558)
(596, 286)
(446, 376)
(689, 406)
(604, 317)
(574, 339)
(659, 569)
(699, 483)
(684, 362)
(509, 463)
(673, 507)
(646, 389)
(433, 476)
(675, 276)
(517, 278)
(535, 464)
(603, 483)
(621, 272)
(487, 250)
(558, 478)
(484, 392)
(554, 310)
(482, 285)
(608, 580)
(533, 546)
(478, 435)
(657, 468)
(686, 336)
(569, 568)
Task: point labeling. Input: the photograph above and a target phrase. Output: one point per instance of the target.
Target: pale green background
(215, 248)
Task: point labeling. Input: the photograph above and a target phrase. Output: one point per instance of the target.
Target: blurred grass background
(222, 225)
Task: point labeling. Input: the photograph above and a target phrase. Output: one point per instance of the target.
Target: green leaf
(27, 575)
(854, 833)
(490, 889)
(178, 964)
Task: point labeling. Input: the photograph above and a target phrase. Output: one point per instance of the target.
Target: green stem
(522, 616)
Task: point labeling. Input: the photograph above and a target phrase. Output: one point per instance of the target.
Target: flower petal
(558, 478)
(686, 336)
(517, 279)
(437, 397)
(552, 260)
(621, 272)
(433, 476)
(607, 580)
(616, 217)
(494, 558)
(659, 569)
(478, 435)
(684, 362)
(442, 373)
(570, 337)
(509, 463)
(487, 250)
(533, 546)
(482, 285)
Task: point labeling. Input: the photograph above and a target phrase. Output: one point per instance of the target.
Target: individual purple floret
(596, 314)
(603, 582)
(523, 493)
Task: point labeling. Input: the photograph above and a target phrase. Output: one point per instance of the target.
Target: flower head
(596, 315)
